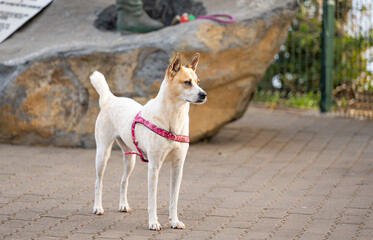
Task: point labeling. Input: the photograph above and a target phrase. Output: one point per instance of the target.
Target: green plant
(273, 99)
(296, 67)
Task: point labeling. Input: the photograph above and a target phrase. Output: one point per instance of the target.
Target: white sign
(14, 13)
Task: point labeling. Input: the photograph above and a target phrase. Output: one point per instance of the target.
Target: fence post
(327, 52)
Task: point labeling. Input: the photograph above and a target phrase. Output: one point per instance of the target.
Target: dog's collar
(160, 131)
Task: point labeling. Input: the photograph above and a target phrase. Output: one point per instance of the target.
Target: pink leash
(224, 18)
(157, 130)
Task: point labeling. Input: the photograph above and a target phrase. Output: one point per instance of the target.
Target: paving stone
(255, 235)
(221, 212)
(308, 205)
(311, 236)
(366, 233)
(79, 236)
(168, 235)
(348, 219)
(274, 213)
(227, 233)
(319, 226)
(197, 234)
(292, 224)
(28, 215)
(48, 237)
(362, 201)
(271, 180)
(239, 225)
(264, 225)
(248, 214)
(10, 226)
(211, 223)
(343, 231)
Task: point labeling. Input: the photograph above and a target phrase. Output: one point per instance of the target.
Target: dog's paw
(124, 208)
(98, 210)
(155, 226)
(177, 225)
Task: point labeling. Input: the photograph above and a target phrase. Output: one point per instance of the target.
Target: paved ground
(272, 175)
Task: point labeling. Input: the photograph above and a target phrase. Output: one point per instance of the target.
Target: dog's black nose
(202, 95)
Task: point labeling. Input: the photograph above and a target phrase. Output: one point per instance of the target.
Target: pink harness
(157, 130)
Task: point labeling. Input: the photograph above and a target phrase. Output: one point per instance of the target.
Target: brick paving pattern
(270, 175)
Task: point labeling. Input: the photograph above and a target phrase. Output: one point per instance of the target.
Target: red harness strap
(157, 130)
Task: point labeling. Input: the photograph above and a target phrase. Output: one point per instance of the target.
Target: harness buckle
(174, 136)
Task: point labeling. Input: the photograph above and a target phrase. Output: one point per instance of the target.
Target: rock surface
(45, 94)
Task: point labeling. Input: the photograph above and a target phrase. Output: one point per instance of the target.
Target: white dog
(168, 113)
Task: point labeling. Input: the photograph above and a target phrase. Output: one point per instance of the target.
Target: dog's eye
(188, 83)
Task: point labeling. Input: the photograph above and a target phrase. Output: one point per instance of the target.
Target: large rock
(45, 94)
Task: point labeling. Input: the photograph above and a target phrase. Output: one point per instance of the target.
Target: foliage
(273, 99)
(296, 67)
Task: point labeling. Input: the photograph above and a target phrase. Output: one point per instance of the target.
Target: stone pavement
(272, 174)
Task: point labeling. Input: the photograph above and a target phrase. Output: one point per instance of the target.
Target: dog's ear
(193, 62)
(175, 65)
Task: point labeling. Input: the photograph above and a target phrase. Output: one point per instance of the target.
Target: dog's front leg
(175, 180)
(153, 171)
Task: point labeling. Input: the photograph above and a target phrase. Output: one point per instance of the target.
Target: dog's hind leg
(102, 156)
(129, 163)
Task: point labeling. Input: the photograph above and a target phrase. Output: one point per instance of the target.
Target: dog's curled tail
(99, 83)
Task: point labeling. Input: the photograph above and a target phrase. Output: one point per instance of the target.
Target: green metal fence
(294, 76)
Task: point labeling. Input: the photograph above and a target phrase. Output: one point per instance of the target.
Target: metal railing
(329, 42)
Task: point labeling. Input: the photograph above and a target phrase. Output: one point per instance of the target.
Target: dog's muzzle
(201, 97)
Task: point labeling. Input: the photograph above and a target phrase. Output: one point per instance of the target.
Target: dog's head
(183, 82)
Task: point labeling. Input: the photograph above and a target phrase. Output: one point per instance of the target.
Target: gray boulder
(45, 93)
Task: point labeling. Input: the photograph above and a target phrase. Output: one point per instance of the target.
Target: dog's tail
(99, 83)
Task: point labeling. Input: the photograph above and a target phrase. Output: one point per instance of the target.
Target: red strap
(157, 130)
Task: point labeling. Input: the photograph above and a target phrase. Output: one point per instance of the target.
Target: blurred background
(293, 79)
